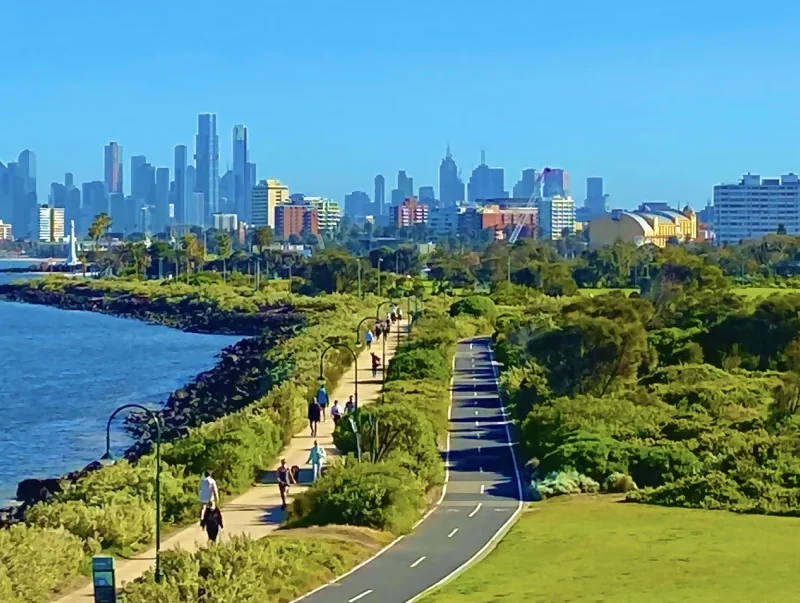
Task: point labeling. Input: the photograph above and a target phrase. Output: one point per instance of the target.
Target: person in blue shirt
(368, 337)
(316, 457)
(322, 400)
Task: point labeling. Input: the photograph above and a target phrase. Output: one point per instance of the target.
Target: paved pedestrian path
(258, 512)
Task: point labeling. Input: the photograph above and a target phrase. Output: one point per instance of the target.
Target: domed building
(652, 223)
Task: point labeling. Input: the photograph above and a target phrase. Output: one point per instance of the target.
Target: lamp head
(107, 459)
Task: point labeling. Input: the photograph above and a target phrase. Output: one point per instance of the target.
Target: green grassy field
(604, 291)
(594, 549)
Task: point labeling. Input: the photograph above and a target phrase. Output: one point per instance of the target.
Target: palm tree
(262, 237)
(192, 251)
(137, 254)
(99, 227)
(224, 251)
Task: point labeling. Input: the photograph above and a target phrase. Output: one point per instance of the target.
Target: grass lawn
(594, 549)
(762, 291)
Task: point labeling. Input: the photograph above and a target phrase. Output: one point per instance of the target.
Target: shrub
(431, 398)
(418, 363)
(589, 454)
(619, 483)
(241, 570)
(658, 465)
(401, 429)
(475, 305)
(34, 562)
(385, 496)
(558, 483)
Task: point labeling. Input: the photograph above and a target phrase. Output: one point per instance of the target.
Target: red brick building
(295, 219)
(501, 218)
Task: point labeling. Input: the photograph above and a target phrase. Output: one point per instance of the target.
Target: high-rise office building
(24, 198)
(328, 212)
(113, 167)
(428, 195)
(179, 172)
(451, 187)
(555, 183)
(195, 210)
(51, 224)
(267, 195)
(409, 213)
(227, 192)
(242, 185)
(526, 186)
(190, 186)
(206, 158)
(486, 182)
(380, 195)
(137, 162)
(95, 201)
(596, 203)
(357, 205)
(756, 207)
(159, 218)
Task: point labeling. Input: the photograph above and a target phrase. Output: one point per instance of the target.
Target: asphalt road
(483, 495)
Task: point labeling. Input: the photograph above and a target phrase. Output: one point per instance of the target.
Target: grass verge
(591, 548)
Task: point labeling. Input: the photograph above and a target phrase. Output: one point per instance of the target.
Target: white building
(328, 211)
(51, 224)
(554, 215)
(756, 207)
(268, 194)
(5, 231)
(229, 222)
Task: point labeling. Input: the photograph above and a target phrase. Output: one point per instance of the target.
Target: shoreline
(266, 329)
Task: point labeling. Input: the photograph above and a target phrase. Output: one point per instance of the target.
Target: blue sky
(662, 101)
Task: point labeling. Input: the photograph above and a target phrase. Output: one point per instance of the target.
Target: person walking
(368, 338)
(376, 363)
(211, 520)
(350, 406)
(315, 458)
(209, 492)
(285, 477)
(336, 413)
(378, 331)
(314, 412)
(322, 400)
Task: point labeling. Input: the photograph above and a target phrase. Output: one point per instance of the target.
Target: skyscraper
(526, 186)
(451, 188)
(486, 182)
(596, 203)
(113, 167)
(556, 183)
(160, 215)
(427, 195)
(190, 184)
(95, 201)
(180, 184)
(405, 184)
(137, 162)
(380, 194)
(25, 215)
(242, 186)
(206, 159)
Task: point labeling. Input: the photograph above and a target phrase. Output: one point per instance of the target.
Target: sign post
(105, 589)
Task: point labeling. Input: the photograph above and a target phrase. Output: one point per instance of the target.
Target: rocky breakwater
(189, 314)
(242, 375)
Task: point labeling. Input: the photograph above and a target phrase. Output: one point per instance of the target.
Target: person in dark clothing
(376, 363)
(211, 521)
(285, 477)
(378, 331)
(314, 414)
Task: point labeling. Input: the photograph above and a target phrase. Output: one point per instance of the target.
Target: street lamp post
(380, 260)
(108, 457)
(340, 346)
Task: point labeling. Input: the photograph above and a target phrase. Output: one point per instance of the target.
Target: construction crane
(538, 186)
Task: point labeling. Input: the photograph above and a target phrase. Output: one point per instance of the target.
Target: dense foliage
(241, 570)
(615, 389)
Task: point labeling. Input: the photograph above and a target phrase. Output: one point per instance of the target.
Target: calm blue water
(62, 373)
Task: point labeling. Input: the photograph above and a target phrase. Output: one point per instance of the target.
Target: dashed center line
(476, 413)
(477, 424)
(480, 469)
(475, 511)
(418, 561)
(479, 449)
(453, 533)
(361, 596)
(482, 488)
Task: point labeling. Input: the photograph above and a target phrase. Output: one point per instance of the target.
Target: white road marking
(475, 512)
(482, 488)
(453, 533)
(480, 469)
(476, 413)
(361, 596)
(477, 424)
(418, 561)
(470, 345)
(475, 394)
(479, 449)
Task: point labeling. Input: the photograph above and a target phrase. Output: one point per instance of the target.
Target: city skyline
(638, 99)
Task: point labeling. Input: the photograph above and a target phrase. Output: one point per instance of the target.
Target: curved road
(483, 495)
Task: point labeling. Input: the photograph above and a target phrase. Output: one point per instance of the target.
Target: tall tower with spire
(451, 187)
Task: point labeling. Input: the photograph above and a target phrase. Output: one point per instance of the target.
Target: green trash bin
(105, 588)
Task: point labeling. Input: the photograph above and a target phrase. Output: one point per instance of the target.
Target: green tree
(262, 238)
(99, 227)
(224, 250)
(135, 254)
(192, 250)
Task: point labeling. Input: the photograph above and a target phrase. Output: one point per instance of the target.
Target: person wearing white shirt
(208, 489)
